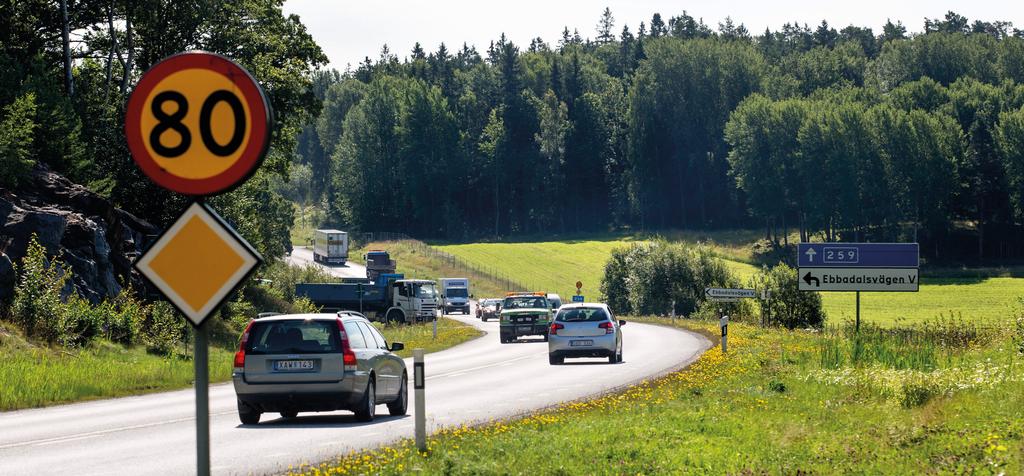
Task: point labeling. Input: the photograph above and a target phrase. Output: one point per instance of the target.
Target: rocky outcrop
(97, 240)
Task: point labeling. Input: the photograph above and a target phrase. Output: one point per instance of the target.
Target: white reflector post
(419, 380)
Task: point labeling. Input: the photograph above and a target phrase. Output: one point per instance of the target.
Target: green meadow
(986, 297)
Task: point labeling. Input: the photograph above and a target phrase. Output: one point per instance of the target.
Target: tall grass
(921, 346)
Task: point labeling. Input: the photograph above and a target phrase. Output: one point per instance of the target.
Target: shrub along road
(474, 382)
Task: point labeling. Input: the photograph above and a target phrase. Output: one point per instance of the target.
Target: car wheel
(555, 360)
(613, 358)
(618, 356)
(368, 406)
(248, 415)
(400, 406)
(289, 414)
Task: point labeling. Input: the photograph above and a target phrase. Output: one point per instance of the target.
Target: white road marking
(471, 369)
(94, 434)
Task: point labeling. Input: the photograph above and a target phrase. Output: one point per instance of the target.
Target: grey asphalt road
(473, 382)
(302, 256)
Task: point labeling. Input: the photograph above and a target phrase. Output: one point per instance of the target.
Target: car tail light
(240, 355)
(554, 328)
(348, 357)
(608, 327)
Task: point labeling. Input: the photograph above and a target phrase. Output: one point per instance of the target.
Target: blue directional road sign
(577, 298)
(857, 255)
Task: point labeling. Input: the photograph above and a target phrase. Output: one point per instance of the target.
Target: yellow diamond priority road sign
(197, 262)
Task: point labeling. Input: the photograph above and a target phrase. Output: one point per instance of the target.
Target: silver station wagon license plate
(293, 365)
(578, 343)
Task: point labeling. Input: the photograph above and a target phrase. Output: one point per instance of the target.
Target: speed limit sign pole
(198, 124)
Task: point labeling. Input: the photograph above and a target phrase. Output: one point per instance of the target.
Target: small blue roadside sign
(577, 298)
(857, 255)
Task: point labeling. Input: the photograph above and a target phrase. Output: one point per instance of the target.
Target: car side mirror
(397, 346)
(622, 322)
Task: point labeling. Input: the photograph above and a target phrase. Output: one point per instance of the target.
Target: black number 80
(173, 122)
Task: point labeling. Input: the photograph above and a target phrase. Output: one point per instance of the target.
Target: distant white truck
(330, 246)
(455, 292)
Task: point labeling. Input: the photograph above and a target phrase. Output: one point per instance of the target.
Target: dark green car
(524, 314)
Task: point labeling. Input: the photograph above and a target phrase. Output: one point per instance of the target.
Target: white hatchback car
(585, 330)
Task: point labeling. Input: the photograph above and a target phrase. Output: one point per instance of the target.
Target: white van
(456, 295)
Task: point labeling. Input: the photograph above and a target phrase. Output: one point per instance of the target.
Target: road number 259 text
(840, 255)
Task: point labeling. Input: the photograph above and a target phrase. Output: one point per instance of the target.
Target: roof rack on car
(267, 314)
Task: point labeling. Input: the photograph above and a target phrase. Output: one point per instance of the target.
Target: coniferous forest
(842, 134)
(914, 132)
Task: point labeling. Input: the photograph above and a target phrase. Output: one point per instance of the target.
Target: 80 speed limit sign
(198, 124)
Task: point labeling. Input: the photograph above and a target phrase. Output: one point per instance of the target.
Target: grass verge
(768, 407)
(35, 376)
(449, 333)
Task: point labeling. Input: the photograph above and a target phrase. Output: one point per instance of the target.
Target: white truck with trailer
(455, 293)
(330, 246)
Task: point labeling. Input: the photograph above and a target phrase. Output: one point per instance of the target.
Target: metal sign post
(858, 312)
(202, 367)
(179, 95)
(418, 383)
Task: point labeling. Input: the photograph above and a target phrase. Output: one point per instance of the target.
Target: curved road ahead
(303, 256)
(472, 382)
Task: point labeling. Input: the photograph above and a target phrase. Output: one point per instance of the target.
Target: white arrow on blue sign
(857, 255)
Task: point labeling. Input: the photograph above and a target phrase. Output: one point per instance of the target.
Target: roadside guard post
(418, 383)
(724, 324)
(198, 124)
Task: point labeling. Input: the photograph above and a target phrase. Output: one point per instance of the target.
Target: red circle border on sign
(259, 136)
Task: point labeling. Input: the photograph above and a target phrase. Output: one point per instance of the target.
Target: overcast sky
(349, 30)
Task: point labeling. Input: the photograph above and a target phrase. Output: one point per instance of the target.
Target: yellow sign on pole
(197, 262)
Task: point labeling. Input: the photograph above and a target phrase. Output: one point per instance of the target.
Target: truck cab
(378, 262)
(456, 295)
(412, 300)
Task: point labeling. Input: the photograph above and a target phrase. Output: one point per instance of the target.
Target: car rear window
(294, 337)
(582, 314)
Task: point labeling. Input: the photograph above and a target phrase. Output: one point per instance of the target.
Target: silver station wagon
(317, 363)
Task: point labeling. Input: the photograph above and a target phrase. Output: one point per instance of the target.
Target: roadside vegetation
(982, 295)
(57, 347)
(944, 396)
(306, 219)
(449, 333)
(36, 375)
